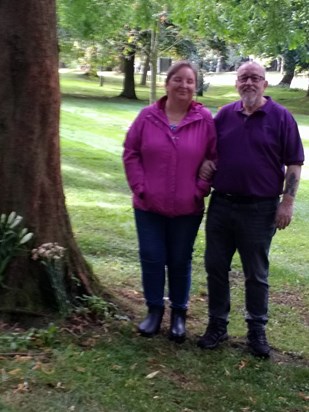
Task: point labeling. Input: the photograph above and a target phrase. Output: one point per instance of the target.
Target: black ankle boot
(151, 324)
(178, 325)
(256, 339)
(216, 332)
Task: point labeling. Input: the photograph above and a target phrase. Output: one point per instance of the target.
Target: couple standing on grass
(174, 153)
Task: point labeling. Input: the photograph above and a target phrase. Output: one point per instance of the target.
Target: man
(260, 154)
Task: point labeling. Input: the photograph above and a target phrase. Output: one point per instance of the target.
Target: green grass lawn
(106, 366)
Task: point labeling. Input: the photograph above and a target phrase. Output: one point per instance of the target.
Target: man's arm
(285, 208)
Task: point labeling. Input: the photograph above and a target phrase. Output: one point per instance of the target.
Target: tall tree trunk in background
(145, 70)
(289, 61)
(200, 80)
(30, 177)
(219, 65)
(128, 81)
(154, 52)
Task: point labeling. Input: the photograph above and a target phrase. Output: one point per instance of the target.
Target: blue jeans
(248, 228)
(166, 243)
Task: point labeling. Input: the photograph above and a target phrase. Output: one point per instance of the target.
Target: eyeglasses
(254, 79)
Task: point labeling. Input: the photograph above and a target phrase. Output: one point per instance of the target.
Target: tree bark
(200, 83)
(219, 65)
(145, 70)
(128, 81)
(30, 176)
(289, 59)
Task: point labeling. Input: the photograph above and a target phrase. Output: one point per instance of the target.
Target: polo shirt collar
(264, 108)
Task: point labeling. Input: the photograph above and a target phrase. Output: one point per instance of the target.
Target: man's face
(251, 84)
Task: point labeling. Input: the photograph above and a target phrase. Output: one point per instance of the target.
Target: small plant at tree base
(13, 240)
(98, 306)
(30, 339)
(51, 255)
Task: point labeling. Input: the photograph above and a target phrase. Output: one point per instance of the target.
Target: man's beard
(249, 99)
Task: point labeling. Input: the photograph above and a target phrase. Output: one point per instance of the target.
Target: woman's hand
(207, 169)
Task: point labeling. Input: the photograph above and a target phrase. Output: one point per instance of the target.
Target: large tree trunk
(289, 59)
(128, 81)
(30, 177)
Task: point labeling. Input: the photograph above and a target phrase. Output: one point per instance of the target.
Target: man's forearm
(292, 178)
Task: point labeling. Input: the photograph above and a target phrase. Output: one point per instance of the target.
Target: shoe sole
(264, 355)
(147, 334)
(177, 339)
(215, 345)
(257, 354)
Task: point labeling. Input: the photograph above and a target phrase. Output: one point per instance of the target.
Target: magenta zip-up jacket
(162, 164)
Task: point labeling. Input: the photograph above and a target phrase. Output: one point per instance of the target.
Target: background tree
(103, 24)
(128, 58)
(30, 178)
(264, 28)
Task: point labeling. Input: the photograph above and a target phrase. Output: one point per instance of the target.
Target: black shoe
(257, 342)
(178, 326)
(151, 324)
(215, 333)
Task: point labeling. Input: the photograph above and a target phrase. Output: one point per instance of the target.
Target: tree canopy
(266, 28)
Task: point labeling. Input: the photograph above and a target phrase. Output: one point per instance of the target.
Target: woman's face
(181, 85)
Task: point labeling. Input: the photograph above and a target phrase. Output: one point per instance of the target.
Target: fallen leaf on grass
(22, 387)
(4, 375)
(60, 385)
(14, 372)
(242, 364)
(152, 375)
(252, 400)
(303, 396)
(19, 358)
(37, 366)
(80, 369)
(89, 343)
(47, 368)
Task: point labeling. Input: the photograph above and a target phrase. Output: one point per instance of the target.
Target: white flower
(48, 252)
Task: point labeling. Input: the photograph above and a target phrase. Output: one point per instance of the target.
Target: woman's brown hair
(179, 65)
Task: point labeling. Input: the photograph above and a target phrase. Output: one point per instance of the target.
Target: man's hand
(207, 169)
(284, 215)
(285, 209)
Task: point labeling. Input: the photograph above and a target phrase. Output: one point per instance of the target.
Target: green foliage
(266, 27)
(97, 306)
(13, 240)
(31, 339)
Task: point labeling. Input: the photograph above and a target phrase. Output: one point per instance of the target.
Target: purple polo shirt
(254, 150)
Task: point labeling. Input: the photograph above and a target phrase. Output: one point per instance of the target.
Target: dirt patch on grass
(281, 358)
(294, 300)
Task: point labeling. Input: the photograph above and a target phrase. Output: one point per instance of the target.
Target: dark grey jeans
(247, 227)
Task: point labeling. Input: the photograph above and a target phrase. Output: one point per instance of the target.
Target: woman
(163, 151)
